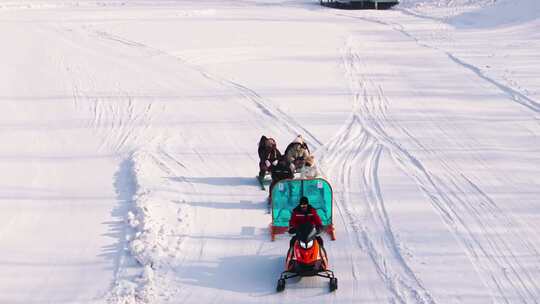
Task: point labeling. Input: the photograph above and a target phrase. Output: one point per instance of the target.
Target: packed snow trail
(61, 213)
(509, 277)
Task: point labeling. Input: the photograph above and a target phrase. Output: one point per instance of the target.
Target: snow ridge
(153, 243)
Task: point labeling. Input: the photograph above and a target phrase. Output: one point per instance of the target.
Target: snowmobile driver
(297, 152)
(268, 156)
(304, 213)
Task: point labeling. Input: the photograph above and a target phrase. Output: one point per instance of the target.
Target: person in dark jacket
(280, 171)
(268, 156)
(304, 213)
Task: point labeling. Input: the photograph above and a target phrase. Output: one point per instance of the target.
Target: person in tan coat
(296, 153)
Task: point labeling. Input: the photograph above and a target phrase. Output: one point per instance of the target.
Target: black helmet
(303, 201)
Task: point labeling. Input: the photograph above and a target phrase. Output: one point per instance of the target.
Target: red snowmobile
(306, 258)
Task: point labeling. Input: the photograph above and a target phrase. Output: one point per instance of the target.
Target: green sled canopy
(287, 193)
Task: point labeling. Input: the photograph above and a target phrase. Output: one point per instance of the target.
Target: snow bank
(443, 10)
(153, 239)
(476, 13)
(503, 12)
(445, 3)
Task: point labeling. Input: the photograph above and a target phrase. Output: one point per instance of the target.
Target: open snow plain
(129, 132)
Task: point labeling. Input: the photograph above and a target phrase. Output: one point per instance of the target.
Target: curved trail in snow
(487, 233)
(362, 146)
(120, 116)
(258, 104)
(513, 94)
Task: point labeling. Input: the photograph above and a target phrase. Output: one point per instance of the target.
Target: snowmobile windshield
(287, 193)
(306, 233)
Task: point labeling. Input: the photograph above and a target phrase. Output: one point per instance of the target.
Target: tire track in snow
(411, 285)
(356, 152)
(507, 90)
(383, 248)
(490, 237)
(512, 93)
(337, 159)
(371, 229)
(80, 90)
(271, 112)
(257, 104)
(476, 221)
(117, 116)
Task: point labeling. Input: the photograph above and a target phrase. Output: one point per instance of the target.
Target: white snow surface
(129, 133)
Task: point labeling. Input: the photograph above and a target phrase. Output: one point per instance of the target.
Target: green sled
(287, 193)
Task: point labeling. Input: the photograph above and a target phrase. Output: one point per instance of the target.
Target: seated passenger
(280, 171)
(296, 153)
(268, 156)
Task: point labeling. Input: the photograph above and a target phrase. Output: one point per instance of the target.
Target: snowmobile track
(464, 213)
(513, 94)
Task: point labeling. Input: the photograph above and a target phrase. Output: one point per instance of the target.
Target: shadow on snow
(218, 181)
(245, 274)
(358, 5)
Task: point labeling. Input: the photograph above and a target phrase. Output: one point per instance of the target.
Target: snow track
(443, 31)
(120, 115)
(512, 93)
(490, 237)
(281, 122)
(471, 214)
(363, 150)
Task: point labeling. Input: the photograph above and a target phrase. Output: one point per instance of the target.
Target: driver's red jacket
(299, 217)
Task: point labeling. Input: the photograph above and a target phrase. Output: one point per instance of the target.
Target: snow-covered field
(129, 133)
